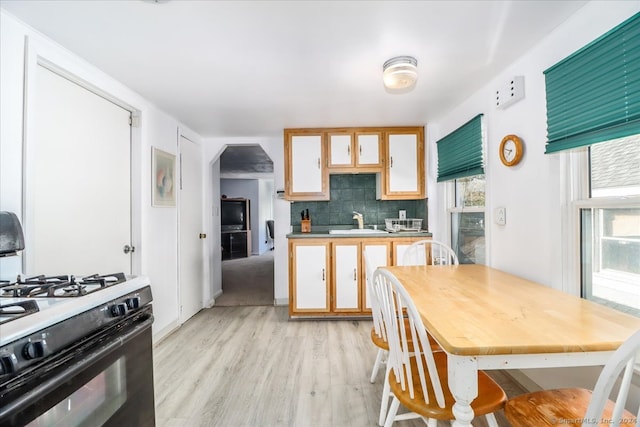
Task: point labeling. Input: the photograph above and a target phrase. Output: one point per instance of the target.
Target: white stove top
(54, 310)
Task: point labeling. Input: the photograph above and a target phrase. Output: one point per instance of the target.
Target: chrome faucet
(359, 217)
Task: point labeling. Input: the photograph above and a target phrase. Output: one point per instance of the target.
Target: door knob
(202, 236)
(128, 249)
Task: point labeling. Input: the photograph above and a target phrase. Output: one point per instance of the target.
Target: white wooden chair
(429, 252)
(379, 339)
(592, 408)
(417, 375)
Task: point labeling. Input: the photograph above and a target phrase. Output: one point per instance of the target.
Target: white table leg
(463, 383)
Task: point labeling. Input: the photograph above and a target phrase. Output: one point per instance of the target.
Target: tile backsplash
(351, 192)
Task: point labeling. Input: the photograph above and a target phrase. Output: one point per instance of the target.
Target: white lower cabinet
(310, 277)
(327, 277)
(346, 274)
(379, 255)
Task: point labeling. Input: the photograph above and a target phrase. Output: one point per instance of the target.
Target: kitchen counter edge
(388, 235)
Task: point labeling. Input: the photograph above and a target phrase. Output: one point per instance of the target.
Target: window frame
(577, 196)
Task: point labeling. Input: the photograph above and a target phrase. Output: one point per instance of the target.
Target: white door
(79, 181)
(191, 245)
(346, 277)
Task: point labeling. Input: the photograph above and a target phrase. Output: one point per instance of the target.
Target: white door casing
(78, 185)
(191, 249)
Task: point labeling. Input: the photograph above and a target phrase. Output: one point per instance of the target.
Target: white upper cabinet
(306, 175)
(405, 173)
(368, 148)
(354, 151)
(395, 155)
(341, 149)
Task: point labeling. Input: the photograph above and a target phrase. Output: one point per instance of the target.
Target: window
(467, 220)
(610, 225)
(461, 165)
(593, 109)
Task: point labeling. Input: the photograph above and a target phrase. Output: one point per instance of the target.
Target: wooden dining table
(487, 319)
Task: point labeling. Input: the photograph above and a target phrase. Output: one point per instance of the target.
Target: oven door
(107, 379)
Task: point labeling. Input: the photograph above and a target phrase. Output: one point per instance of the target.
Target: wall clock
(511, 150)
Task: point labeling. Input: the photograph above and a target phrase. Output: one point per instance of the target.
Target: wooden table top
(477, 310)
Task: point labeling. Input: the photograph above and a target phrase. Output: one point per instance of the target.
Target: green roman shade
(460, 152)
(594, 94)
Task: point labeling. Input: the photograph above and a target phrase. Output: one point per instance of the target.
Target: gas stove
(74, 350)
(31, 304)
(58, 286)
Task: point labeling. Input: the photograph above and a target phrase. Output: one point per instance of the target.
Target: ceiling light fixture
(400, 73)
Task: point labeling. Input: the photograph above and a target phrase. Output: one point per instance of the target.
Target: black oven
(104, 378)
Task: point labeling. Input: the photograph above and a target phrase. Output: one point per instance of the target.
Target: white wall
(155, 229)
(530, 243)
(274, 147)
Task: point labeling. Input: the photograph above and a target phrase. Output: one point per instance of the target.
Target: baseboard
(281, 301)
(212, 302)
(161, 335)
(522, 379)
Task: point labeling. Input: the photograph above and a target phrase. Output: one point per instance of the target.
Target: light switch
(500, 216)
(402, 214)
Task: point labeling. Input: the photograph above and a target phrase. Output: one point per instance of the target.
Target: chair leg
(393, 410)
(376, 365)
(491, 420)
(386, 394)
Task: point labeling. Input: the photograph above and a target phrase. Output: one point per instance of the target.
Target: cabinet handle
(360, 149)
(318, 162)
(355, 277)
(348, 149)
(390, 162)
(323, 274)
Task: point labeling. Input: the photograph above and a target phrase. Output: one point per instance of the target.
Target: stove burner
(58, 286)
(16, 310)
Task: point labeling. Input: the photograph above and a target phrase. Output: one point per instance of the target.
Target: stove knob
(8, 363)
(118, 310)
(133, 303)
(34, 349)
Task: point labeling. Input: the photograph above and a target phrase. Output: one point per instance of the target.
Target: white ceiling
(252, 68)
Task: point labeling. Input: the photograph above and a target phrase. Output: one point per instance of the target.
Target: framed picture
(163, 178)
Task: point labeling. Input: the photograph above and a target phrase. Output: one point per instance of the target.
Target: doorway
(246, 174)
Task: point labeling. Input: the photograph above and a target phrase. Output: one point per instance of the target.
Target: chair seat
(381, 343)
(490, 398)
(561, 407)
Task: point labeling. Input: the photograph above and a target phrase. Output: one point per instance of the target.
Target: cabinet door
(378, 254)
(346, 271)
(306, 175)
(405, 176)
(400, 246)
(340, 149)
(368, 149)
(310, 278)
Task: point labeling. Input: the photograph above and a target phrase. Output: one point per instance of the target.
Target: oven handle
(62, 377)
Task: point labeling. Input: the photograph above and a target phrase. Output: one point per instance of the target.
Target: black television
(234, 214)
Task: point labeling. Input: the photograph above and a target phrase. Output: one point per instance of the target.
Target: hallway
(247, 281)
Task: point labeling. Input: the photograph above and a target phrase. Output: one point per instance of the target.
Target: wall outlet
(402, 214)
(500, 216)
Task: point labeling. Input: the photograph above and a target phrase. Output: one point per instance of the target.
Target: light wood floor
(251, 366)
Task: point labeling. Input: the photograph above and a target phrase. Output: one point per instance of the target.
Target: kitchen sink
(358, 231)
